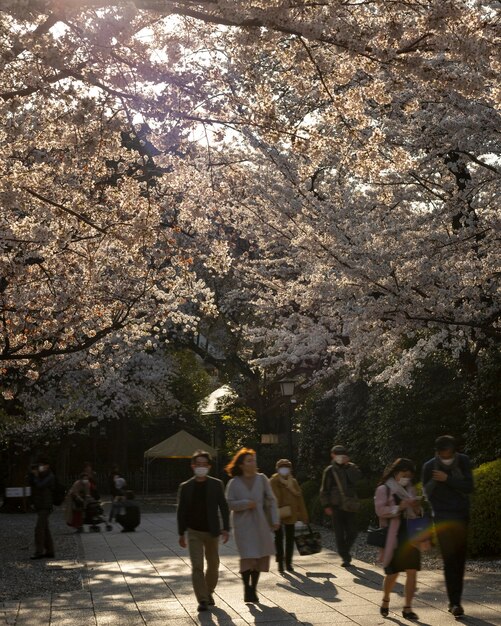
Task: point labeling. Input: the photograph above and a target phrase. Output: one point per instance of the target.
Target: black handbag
(309, 542)
(376, 536)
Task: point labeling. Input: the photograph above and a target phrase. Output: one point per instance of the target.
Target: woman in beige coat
(254, 516)
(291, 508)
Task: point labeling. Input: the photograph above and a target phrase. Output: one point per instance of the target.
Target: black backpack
(59, 492)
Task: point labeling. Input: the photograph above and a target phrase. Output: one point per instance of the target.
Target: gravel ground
(22, 578)
(429, 560)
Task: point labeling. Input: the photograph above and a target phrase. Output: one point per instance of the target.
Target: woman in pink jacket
(395, 502)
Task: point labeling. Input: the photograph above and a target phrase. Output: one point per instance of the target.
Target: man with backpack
(447, 482)
(42, 484)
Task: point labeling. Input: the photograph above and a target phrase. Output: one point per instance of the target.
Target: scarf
(288, 482)
(403, 493)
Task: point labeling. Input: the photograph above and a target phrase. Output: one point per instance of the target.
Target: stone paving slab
(144, 579)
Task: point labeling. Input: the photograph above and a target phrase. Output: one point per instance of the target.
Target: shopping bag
(309, 542)
(376, 536)
(419, 529)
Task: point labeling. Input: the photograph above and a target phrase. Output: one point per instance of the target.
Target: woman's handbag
(309, 542)
(376, 536)
(284, 511)
(350, 504)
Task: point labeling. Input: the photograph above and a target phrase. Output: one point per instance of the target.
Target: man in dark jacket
(42, 483)
(338, 482)
(199, 502)
(447, 482)
(129, 514)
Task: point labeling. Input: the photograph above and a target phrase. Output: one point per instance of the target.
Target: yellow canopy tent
(179, 446)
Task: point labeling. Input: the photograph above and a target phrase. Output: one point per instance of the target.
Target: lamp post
(287, 391)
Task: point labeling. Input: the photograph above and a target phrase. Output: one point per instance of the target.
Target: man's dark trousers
(452, 536)
(43, 538)
(344, 525)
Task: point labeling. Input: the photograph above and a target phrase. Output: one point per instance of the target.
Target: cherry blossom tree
(324, 175)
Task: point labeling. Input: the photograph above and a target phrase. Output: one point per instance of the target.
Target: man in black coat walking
(200, 501)
(42, 483)
(447, 482)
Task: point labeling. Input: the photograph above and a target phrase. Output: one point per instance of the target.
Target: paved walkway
(143, 579)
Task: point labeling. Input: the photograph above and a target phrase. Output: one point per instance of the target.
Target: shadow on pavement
(216, 616)
(263, 613)
(305, 583)
(366, 577)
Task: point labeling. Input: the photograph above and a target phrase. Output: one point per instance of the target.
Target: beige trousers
(198, 543)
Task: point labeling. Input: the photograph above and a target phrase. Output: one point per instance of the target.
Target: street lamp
(287, 387)
(287, 391)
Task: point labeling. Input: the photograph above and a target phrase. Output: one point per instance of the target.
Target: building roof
(210, 403)
(179, 446)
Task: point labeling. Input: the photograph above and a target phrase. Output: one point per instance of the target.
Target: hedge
(485, 526)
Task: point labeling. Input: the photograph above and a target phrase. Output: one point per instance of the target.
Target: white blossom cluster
(325, 176)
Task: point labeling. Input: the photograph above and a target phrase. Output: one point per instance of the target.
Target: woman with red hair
(255, 516)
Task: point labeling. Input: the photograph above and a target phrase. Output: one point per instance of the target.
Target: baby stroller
(93, 515)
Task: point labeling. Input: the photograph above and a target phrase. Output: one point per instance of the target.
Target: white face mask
(339, 459)
(201, 471)
(284, 471)
(41, 468)
(447, 461)
(85, 481)
(404, 481)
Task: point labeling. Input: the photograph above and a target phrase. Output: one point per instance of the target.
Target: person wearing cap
(338, 483)
(447, 482)
(291, 508)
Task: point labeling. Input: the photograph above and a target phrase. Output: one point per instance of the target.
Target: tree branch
(79, 217)
(78, 347)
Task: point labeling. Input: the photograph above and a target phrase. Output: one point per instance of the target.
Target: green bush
(485, 526)
(367, 514)
(310, 489)
(367, 486)
(316, 511)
